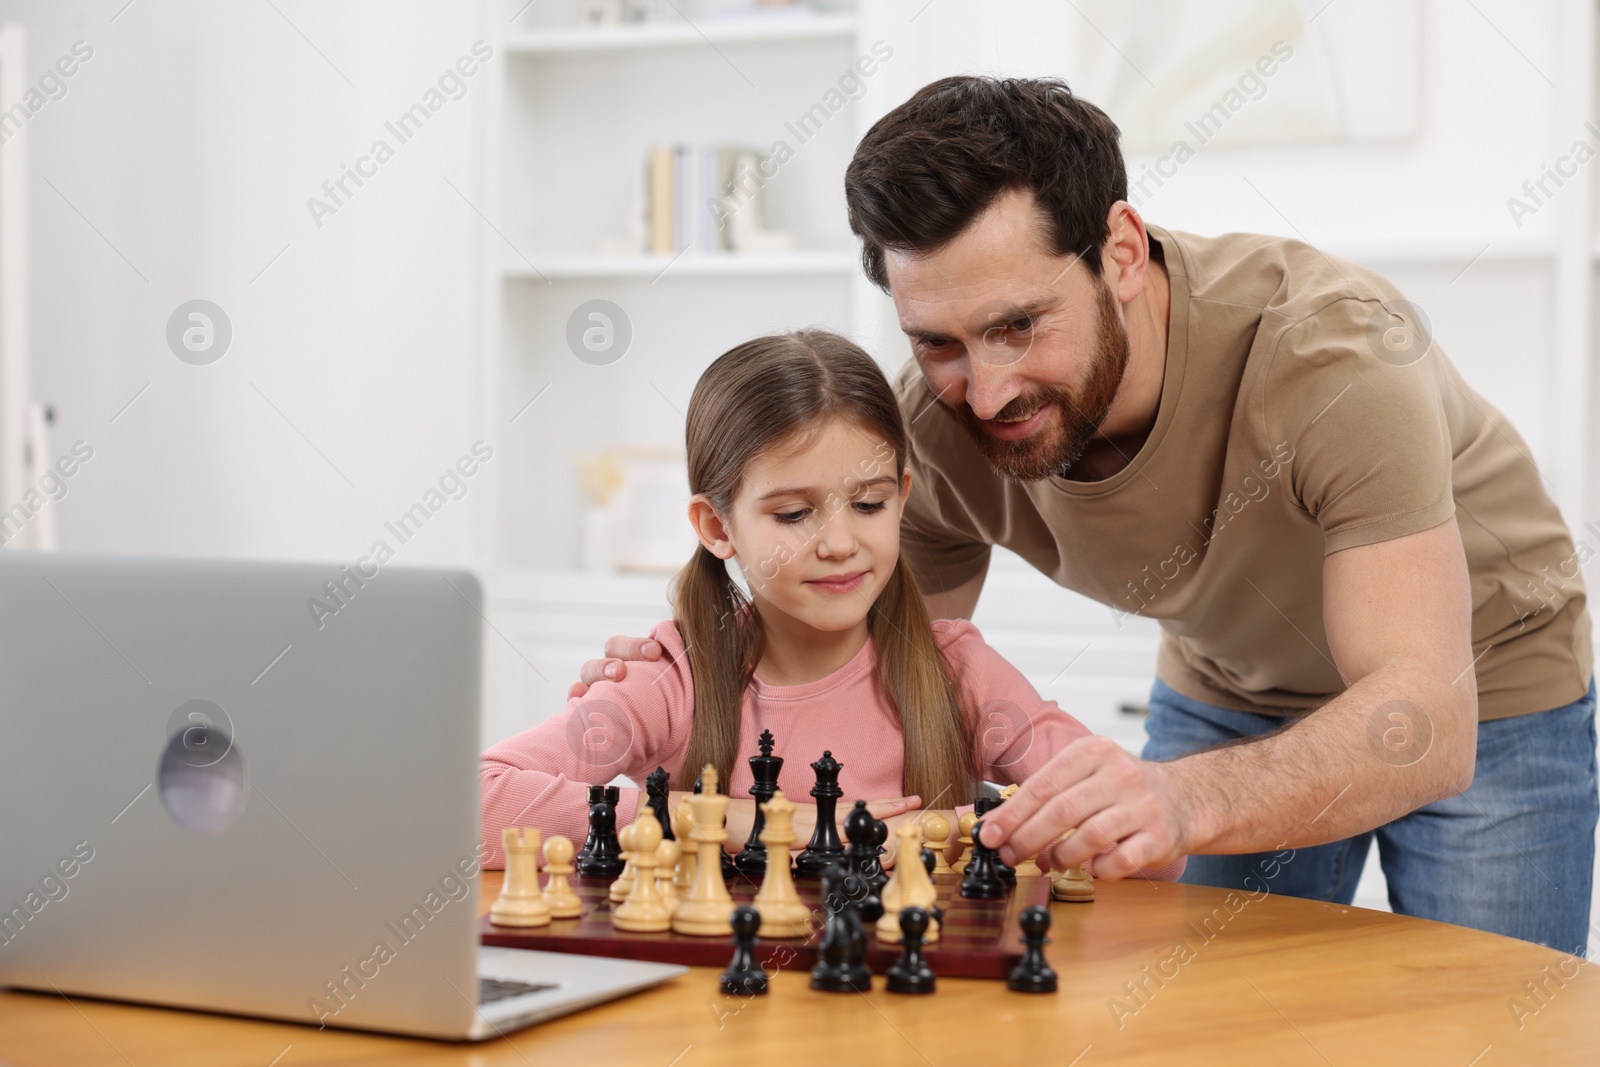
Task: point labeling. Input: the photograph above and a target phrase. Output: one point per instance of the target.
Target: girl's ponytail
(722, 638)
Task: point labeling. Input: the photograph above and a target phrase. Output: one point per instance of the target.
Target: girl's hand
(742, 816)
(900, 820)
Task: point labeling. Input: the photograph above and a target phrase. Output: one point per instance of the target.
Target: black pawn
(859, 856)
(930, 862)
(655, 787)
(752, 859)
(605, 858)
(981, 807)
(825, 847)
(744, 976)
(842, 955)
(1032, 974)
(597, 793)
(880, 834)
(911, 973)
(981, 881)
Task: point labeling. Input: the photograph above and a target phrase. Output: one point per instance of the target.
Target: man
(1373, 619)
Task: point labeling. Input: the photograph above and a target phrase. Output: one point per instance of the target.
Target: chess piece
(825, 847)
(1029, 867)
(520, 902)
(744, 976)
(558, 894)
(910, 888)
(1074, 884)
(783, 913)
(706, 909)
(752, 859)
(597, 793)
(682, 827)
(860, 855)
(929, 860)
(622, 885)
(655, 787)
(911, 973)
(936, 832)
(1032, 974)
(643, 911)
(981, 881)
(841, 957)
(964, 823)
(604, 859)
(981, 807)
(667, 854)
(729, 871)
(879, 877)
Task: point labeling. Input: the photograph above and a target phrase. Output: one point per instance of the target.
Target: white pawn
(1074, 884)
(643, 911)
(558, 894)
(520, 902)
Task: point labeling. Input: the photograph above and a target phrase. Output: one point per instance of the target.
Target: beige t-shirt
(1281, 436)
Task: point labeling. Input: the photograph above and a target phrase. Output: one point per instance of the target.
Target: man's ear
(1127, 250)
(709, 527)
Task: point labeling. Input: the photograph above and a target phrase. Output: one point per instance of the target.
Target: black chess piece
(859, 855)
(911, 973)
(842, 955)
(983, 807)
(605, 859)
(930, 862)
(752, 859)
(981, 881)
(744, 976)
(1032, 974)
(825, 847)
(880, 834)
(597, 793)
(655, 787)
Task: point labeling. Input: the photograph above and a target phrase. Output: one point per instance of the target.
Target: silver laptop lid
(248, 787)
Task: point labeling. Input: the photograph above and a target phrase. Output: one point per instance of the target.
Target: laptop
(253, 788)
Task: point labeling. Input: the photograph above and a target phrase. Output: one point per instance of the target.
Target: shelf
(689, 265)
(784, 26)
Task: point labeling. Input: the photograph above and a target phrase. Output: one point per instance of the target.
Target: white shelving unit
(568, 123)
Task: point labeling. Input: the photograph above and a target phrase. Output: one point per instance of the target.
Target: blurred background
(269, 269)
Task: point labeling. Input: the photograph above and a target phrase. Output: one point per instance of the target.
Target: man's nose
(989, 388)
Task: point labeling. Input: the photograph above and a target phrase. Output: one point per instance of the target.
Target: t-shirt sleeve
(540, 777)
(937, 538)
(1363, 425)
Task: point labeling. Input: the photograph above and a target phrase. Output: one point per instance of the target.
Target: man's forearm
(1388, 745)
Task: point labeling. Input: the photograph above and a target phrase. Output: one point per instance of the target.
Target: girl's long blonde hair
(757, 396)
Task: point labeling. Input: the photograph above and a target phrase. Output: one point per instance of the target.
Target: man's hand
(619, 650)
(1114, 799)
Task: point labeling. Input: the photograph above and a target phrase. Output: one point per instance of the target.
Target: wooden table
(1275, 980)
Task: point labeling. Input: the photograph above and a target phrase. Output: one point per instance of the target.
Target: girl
(797, 462)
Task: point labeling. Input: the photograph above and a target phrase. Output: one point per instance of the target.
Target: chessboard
(979, 938)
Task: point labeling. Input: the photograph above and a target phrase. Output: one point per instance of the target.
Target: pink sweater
(539, 777)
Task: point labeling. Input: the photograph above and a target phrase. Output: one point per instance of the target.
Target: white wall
(190, 141)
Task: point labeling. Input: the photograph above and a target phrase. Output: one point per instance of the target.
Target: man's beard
(1052, 451)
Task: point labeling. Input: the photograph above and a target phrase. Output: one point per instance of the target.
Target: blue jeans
(1512, 855)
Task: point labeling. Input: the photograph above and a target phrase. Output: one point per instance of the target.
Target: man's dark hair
(932, 165)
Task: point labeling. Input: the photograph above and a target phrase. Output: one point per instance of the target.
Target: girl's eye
(790, 516)
(868, 507)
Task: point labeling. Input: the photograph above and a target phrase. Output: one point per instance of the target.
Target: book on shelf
(706, 198)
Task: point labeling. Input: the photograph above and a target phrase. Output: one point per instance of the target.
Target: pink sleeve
(540, 776)
(1016, 730)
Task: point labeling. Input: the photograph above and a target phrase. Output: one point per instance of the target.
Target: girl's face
(815, 525)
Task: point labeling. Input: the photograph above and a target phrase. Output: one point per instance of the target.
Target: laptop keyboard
(493, 989)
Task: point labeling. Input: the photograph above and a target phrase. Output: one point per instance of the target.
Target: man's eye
(1021, 325)
(791, 516)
